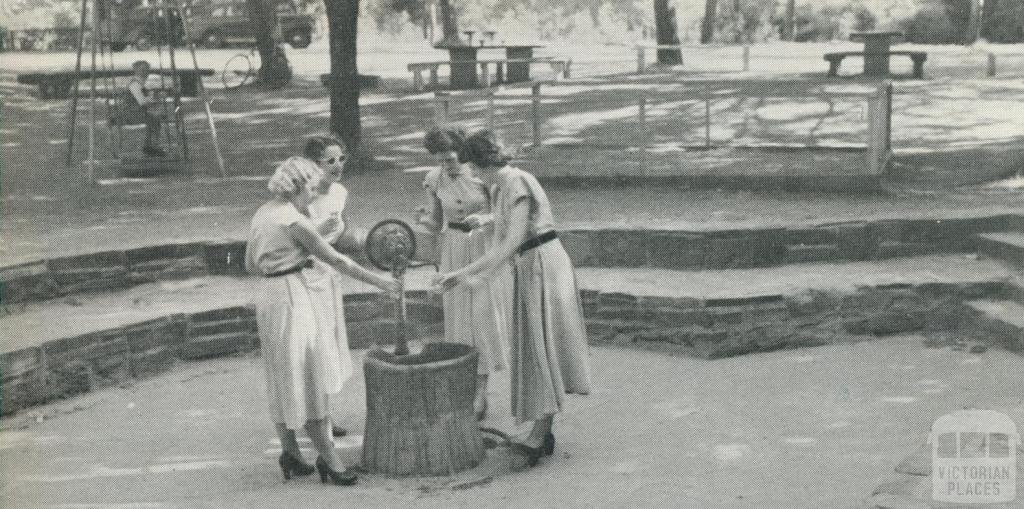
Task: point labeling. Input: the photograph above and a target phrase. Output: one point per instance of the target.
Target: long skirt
(549, 340)
(477, 315)
(304, 344)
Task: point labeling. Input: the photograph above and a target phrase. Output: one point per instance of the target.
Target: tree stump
(419, 411)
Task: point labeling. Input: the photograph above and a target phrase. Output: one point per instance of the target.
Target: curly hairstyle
(292, 175)
(484, 149)
(439, 140)
(316, 145)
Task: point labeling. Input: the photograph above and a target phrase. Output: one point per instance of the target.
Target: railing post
(991, 64)
(746, 58)
(879, 128)
(641, 60)
(440, 108)
(535, 111)
(642, 134)
(490, 109)
(486, 74)
(707, 115)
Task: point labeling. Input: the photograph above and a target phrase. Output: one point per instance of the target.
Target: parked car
(212, 23)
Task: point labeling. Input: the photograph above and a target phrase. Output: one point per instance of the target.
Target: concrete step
(1004, 319)
(1007, 247)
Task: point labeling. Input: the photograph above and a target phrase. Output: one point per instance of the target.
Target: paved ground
(809, 428)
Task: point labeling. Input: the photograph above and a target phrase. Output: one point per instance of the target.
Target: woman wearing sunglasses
(327, 212)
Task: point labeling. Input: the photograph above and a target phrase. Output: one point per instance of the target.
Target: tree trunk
(707, 27)
(665, 33)
(274, 69)
(342, 28)
(789, 21)
(988, 18)
(449, 25)
(419, 411)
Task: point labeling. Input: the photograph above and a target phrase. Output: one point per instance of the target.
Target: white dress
(473, 315)
(322, 207)
(298, 320)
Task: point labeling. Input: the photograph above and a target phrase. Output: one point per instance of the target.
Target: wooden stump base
(419, 412)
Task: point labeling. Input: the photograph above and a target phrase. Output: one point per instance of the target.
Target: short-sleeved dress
(550, 355)
(320, 208)
(473, 315)
(297, 316)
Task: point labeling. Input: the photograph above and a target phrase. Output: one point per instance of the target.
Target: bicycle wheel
(238, 71)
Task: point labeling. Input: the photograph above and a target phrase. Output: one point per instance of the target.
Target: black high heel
(338, 431)
(290, 465)
(344, 478)
(549, 444)
(530, 454)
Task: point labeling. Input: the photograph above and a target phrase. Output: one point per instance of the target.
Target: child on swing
(148, 106)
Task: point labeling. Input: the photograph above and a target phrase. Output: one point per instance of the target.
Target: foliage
(1006, 22)
(831, 22)
(741, 21)
(930, 25)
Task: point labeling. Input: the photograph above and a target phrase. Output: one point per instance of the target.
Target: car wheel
(213, 40)
(142, 43)
(299, 40)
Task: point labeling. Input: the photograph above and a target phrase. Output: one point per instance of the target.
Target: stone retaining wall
(680, 250)
(711, 328)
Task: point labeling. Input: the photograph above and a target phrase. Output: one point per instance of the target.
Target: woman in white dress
(327, 211)
(297, 320)
(459, 209)
(549, 339)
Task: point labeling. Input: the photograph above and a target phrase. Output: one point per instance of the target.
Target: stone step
(1007, 247)
(1004, 319)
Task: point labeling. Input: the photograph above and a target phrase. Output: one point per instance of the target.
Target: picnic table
(464, 63)
(876, 50)
(877, 53)
(58, 84)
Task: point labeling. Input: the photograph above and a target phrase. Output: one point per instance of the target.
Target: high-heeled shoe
(344, 478)
(549, 444)
(290, 465)
(338, 431)
(530, 454)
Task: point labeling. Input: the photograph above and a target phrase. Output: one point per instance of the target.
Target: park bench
(558, 66)
(836, 58)
(365, 80)
(57, 84)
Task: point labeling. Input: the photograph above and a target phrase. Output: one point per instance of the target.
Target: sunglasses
(332, 160)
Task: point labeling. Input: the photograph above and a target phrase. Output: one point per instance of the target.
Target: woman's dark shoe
(346, 478)
(338, 431)
(549, 444)
(529, 455)
(290, 465)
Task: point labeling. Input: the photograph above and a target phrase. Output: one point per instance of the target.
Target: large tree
(342, 28)
(789, 20)
(707, 26)
(274, 69)
(665, 33)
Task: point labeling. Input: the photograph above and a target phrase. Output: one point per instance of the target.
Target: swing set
(112, 103)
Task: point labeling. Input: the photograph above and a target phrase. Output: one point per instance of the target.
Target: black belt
(298, 268)
(543, 238)
(464, 227)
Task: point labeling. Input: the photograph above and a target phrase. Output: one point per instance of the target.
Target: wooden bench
(365, 80)
(561, 69)
(57, 84)
(918, 57)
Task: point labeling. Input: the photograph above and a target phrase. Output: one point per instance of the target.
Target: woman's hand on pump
(477, 220)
